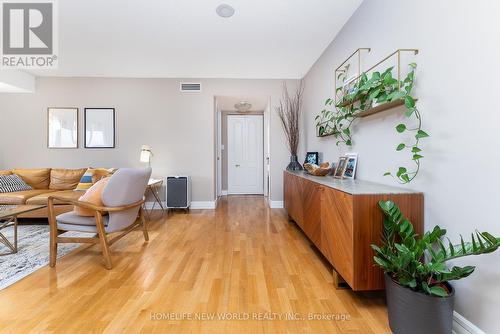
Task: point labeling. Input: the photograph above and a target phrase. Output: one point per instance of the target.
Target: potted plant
(419, 295)
(289, 111)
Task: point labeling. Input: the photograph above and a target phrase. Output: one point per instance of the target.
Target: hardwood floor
(241, 260)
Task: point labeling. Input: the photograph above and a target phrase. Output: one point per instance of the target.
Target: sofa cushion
(5, 172)
(37, 178)
(92, 175)
(65, 179)
(20, 197)
(42, 199)
(12, 183)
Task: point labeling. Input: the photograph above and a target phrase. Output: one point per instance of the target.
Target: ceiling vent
(190, 87)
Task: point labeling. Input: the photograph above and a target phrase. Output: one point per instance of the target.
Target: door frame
(263, 166)
(217, 118)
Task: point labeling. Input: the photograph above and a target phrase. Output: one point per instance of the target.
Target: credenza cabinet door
(293, 197)
(311, 199)
(337, 232)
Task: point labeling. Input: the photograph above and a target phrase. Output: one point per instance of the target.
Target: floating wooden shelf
(381, 107)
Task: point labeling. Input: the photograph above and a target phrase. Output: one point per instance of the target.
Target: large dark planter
(413, 312)
(294, 164)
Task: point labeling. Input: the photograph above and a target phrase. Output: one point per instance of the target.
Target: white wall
(178, 126)
(458, 97)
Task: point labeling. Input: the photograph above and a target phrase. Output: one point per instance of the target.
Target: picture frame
(339, 170)
(312, 158)
(62, 127)
(99, 131)
(351, 165)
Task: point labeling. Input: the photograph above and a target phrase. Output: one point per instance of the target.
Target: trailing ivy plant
(419, 262)
(368, 92)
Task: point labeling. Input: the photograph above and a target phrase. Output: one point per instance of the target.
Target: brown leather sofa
(45, 182)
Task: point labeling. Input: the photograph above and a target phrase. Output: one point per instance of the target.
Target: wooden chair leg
(104, 241)
(53, 234)
(144, 224)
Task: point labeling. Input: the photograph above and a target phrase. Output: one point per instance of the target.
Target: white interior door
(245, 156)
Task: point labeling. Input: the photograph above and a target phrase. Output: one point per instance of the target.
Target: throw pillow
(93, 196)
(91, 176)
(11, 183)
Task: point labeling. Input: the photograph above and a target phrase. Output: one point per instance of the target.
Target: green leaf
(438, 291)
(381, 262)
(421, 134)
(412, 65)
(409, 112)
(415, 149)
(417, 157)
(409, 102)
(400, 147)
(401, 171)
(396, 95)
(374, 93)
(387, 173)
(348, 142)
(346, 131)
(401, 128)
(405, 178)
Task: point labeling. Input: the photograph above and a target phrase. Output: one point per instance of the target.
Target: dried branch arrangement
(289, 112)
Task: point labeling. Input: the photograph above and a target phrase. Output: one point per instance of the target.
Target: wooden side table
(8, 217)
(154, 186)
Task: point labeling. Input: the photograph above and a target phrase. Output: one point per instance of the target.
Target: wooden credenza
(342, 218)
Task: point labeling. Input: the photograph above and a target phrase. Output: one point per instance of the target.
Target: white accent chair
(122, 197)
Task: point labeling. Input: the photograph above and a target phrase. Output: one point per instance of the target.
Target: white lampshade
(146, 153)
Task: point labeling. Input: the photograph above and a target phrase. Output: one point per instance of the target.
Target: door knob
(237, 165)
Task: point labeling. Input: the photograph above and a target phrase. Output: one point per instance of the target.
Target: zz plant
(365, 93)
(418, 262)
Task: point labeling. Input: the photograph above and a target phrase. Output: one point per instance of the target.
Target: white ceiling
(226, 103)
(185, 38)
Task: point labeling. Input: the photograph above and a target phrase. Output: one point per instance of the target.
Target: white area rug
(32, 254)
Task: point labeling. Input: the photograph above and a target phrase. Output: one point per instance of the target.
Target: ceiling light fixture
(224, 10)
(243, 106)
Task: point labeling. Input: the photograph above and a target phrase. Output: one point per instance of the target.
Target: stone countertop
(353, 187)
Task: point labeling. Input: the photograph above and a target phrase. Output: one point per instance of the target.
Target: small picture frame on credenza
(351, 165)
(341, 165)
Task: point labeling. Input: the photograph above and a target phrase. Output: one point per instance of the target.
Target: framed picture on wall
(99, 127)
(62, 127)
(351, 164)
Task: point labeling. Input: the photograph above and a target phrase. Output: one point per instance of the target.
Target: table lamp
(146, 154)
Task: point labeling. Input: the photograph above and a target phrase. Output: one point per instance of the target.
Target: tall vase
(294, 164)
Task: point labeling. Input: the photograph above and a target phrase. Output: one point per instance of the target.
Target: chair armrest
(91, 206)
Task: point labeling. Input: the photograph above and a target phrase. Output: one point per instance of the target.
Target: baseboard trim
(203, 205)
(196, 205)
(463, 326)
(276, 204)
(223, 193)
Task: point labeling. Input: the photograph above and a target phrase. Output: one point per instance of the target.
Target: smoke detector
(243, 106)
(224, 10)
